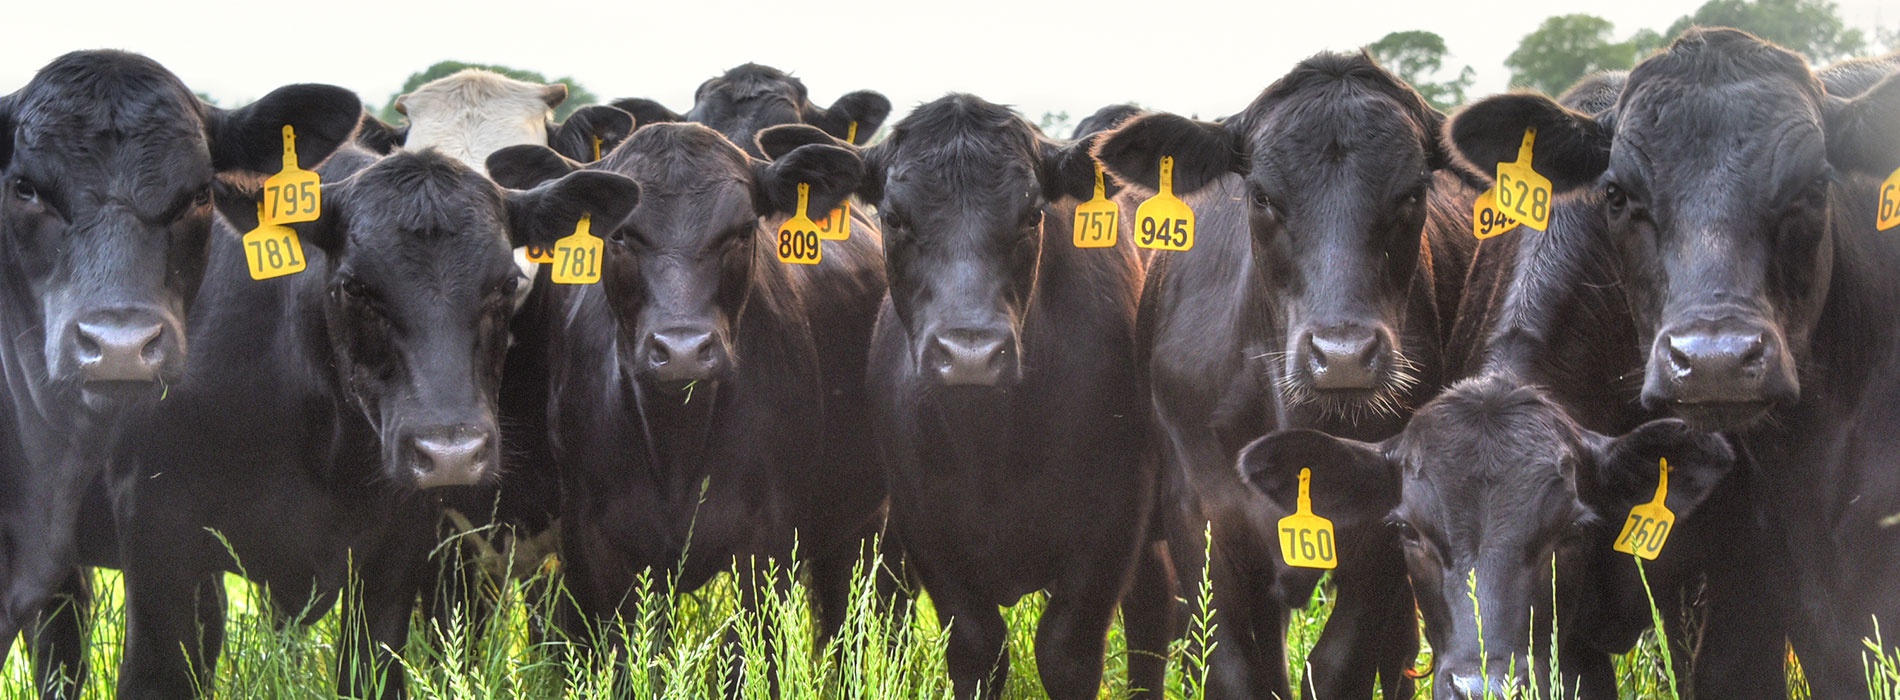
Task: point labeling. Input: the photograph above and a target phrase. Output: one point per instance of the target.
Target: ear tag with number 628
(577, 256)
(1096, 220)
(1487, 220)
(293, 195)
(1649, 524)
(798, 236)
(1890, 202)
(1306, 540)
(1522, 194)
(1164, 222)
(272, 250)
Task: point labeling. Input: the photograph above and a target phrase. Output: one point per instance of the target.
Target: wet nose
(1480, 688)
(123, 346)
(1710, 363)
(970, 357)
(1344, 357)
(451, 456)
(683, 354)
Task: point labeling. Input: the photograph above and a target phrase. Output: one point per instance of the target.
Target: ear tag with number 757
(1097, 220)
(272, 250)
(837, 225)
(1523, 194)
(1649, 524)
(293, 195)
(1164, 222)
(798, 236)
(577, 255)
(1306, 540)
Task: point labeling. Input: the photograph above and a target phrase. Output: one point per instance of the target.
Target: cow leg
(1373, 628)
(1248, 658)
(58, 639)
(374, 628)
(172, 634)
(1588, 674)
(978, 661)
(831, 589)
(1743, 645)
(1072, 634)
(1148, 621)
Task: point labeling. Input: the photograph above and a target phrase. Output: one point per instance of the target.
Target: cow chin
(108, 396)
(1723, 416)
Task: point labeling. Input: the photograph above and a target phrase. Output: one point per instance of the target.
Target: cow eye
(1261, 200)
(1032, 218)
(1615, 198)
(508, 286)
(202, 199)
(25, 190)
(894, 219)
(355, 288)
(1406, 531)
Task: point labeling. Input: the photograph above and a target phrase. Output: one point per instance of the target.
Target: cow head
(107, 163)
(475, 112)
(1487, 484)
(962, 187)
(751, 98)
(1720, 171)
(1338, 159)
(679, 270)
(417, 295)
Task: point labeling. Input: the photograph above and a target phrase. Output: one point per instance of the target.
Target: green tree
(577, 96)
(1418, 57)
(1568, 47)
(1811, 27)
(1056, 124)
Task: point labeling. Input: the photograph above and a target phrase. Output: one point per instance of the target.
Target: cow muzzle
(684, 354)
(123, 352)
(981, 357)
(451, 455)
(1719, 375)
(1346, 357)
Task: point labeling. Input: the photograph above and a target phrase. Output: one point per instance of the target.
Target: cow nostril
(154, 350)
(1754, 352)
(656, 352)
(1313, 351)
(1678, 358)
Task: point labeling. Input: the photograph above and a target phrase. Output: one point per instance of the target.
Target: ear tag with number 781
(1306, 540)
(1097, 220)
(293, 195)
(577, 255)
(1649, 524)
(1164, 222)
(272, 250)
(1523, 194)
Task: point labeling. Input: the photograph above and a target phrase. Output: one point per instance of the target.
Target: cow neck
(1854, 340)
(976, 426)
(675, 431)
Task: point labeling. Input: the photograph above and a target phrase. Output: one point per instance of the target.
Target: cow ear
(238, 202)
(647, 112)
(1069, 171)
(251, 138)
(779, 140)
(574, 138)
(1353, 483)
(1202, 151)
(550, 211)
(832, 171)
(868, 108)
(1863, 135)
(554, 94)
(1628, 467)
(524, 166)
(6, 133)
(379, 136)
(871, 185)
(1572, 148)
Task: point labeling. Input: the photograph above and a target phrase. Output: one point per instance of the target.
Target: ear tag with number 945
(577, 255)
(293, 195)
(1306, 540)
(1097, 220)
(1487, 220)
(1649, 524)
(798, 236)
(1522, 194)
(272, 250)
(1164, 222)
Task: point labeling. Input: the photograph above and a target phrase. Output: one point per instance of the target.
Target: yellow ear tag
(798, 236)
(1164, 222)
(293, 195)
(1523, 194)
(1649, 524)
(577, 256)
(1890, 202)
(1097, 220)
(272, 250)
(539, 254)
(597, 144)
(1306, 540)
(837, 225)
(1487, 220)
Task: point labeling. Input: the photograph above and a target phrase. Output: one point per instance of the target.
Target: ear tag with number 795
(1096, 220)
(1164, 222)
(798, 236)
(1649, 524)
(1306, 540)
(293, 195)
(272, 250)
(577, 255)
(1523, 194)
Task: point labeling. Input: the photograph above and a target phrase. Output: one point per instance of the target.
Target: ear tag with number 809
(1096, 220)
(1164, 222)
(293, 195)
(1523, 194)
(1306, 540)
(798, 236)
(837, 225)
(1487, 220)
(577, 256)
(1889, 202)
(1649, 524)
(272, 250)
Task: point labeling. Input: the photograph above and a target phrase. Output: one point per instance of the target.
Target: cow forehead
(1749, 135)
(1340, 124)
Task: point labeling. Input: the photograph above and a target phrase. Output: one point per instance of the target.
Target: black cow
(324, 407)
(107, 162)
(1331, 247)
(1004, 391)
(1736, 194)
(1105, 119)
(751, 98)
(1488, 482)
(697, 394)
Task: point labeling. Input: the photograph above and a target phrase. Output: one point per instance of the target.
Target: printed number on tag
(1649, 524)
(273, 251)
(1097, 221)
(1306, 539)
(1164, 222)
(293, 195)
(577, 256)
(1487, 220)
(1523, 194)
(798, 236)
(1890, 202)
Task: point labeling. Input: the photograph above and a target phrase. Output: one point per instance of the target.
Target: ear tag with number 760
(577, 255)
(1649, 524)
(1164, 222)
(798, 236)
(1096, 220)
(837, 225)
(1306, 540)
(272, 250)
(1523, 194)
(293, 195)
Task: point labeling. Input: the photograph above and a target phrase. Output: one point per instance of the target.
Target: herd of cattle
(1324, 369)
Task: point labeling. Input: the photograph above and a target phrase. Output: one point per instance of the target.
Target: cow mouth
(108, 394)
(1716, 416)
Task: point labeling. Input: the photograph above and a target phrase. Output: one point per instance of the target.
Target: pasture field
(877, 656)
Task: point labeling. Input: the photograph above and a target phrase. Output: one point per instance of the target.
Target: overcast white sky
(1188, 56)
